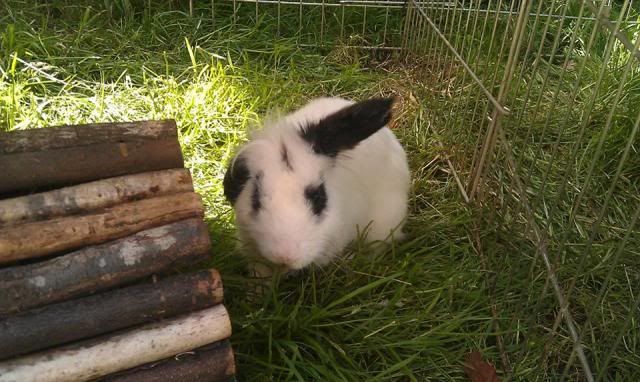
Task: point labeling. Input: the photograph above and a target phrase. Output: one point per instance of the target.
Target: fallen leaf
(478, 370)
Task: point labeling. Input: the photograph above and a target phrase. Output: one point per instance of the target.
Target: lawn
(467, 278)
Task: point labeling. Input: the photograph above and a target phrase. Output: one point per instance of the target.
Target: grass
(467, 278)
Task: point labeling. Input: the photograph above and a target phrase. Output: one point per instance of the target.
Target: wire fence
(366, 24)
(538, 106)
(549, 93)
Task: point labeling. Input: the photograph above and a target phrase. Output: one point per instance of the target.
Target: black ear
(346, 128)
(235, 178)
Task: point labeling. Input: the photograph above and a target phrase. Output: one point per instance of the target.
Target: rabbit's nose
(284, 254)
(283, 257)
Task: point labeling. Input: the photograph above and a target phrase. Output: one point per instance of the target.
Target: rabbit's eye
(316, 198)
(284, 155)
(256, 204)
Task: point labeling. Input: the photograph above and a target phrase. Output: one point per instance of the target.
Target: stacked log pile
(94, 221)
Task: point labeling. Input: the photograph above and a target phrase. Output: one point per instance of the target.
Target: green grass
(467, 278)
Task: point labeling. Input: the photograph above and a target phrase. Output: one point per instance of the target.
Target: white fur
(365, 186)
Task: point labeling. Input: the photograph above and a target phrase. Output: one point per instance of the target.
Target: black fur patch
(256, 204)
(346, 128)
(235, 178)
(284, 153)
(317, 198)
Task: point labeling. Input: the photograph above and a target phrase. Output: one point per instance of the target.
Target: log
(37, 239)
(211, 363)
(120, 351)
(59, 137)
(41, 170)
(100, 267)
(94, 195)
(87, 317)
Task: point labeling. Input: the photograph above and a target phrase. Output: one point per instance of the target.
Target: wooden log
(52, 138)
(101, 267)
(211, 363)
(38, 159)
(94, 195)
(87, 317)
(36, 239)
(38, 170)
(120, 351)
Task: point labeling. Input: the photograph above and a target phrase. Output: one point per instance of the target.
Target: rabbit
(307, 184)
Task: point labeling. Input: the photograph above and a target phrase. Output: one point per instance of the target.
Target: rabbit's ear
(235, 178)
(344, 129)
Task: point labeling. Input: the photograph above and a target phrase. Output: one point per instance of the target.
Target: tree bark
(40, 170)
(211, 363)
(121, 351)
(87, 317)
(94, 195)
(37, 239)
(101, 267)
(52, 138)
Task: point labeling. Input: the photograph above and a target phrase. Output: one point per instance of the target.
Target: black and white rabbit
(305, 185)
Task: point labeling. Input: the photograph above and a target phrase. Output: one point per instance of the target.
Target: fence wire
(565, 174)
(538, 106)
